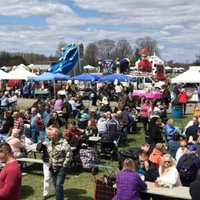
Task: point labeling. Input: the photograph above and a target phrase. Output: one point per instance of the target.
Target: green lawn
(77, 186)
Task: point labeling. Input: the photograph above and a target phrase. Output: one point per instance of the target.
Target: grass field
(78, 186)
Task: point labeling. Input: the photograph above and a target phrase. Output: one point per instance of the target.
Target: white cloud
(173, 27)
(26, 8)
(171, 22)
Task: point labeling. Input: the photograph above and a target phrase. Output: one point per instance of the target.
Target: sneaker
(23, 173)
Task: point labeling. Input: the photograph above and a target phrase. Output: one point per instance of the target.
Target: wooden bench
(179, 192)
(30, 160)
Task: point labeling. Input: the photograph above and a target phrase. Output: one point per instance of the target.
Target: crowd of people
(57, 126)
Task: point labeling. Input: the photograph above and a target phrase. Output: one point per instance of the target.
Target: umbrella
(47, 76)
(61, 77)
(86, 77)
(118, 77)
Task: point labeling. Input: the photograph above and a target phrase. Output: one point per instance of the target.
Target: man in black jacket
(194, 187)
(148, 170)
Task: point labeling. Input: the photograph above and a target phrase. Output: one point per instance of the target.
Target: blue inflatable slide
(67, 61)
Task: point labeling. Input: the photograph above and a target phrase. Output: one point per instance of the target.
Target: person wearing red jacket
(183, 99)
(10, 176)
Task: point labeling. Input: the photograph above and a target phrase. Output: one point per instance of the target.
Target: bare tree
(104, 48)
(197, 61)
(91, 54)
(122, 50)
(149, 43)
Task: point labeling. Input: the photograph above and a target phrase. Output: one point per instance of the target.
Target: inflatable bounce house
(124, 65)
(67, 61)
(151, 64)
(143, 64)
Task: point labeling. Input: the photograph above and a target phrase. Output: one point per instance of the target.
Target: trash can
(177, 111)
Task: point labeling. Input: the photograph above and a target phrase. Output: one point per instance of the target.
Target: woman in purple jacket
(129, 183)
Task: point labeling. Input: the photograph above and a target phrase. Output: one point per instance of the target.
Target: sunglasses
(167, 161)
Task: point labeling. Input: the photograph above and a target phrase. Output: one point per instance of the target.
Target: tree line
(91, 53)
(11, 59)
(110, 49)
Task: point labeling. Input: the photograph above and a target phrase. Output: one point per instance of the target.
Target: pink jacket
(145, 110)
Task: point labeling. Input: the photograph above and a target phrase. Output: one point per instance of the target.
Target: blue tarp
(47, 76)
(68, 60)
(86, 77)
(118, 77)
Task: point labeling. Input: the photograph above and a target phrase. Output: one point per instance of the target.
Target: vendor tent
(117, 77)
(168, 68)
(47, 76)
(20, 73)
(3, 75)
(86, 77)
(190, 76)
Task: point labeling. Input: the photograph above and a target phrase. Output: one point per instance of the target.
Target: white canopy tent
(3, 75)
(190, 76)
(168, 68)
(20, 73)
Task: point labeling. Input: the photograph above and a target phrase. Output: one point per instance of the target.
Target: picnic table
(179, 192)
(42, 93)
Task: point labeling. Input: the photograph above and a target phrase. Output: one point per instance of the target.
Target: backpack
(187, 168)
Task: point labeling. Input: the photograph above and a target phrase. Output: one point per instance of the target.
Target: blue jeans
(125, 132)
(58, 181)
(34, 135)
(42, 135)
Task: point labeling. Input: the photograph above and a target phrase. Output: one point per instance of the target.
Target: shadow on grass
(34, 169)
(73, 193)
(26, 191)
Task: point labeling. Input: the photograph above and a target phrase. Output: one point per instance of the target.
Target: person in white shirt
(168, 174)
(118, 89)
(101, 124)
(13, 99)
(183, 149)
(5, 99)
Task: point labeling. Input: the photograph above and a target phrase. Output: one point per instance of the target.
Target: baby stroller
(109, 145)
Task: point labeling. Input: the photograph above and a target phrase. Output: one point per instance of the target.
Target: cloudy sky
(39, 25)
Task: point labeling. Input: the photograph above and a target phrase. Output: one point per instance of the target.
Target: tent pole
(54, 88)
